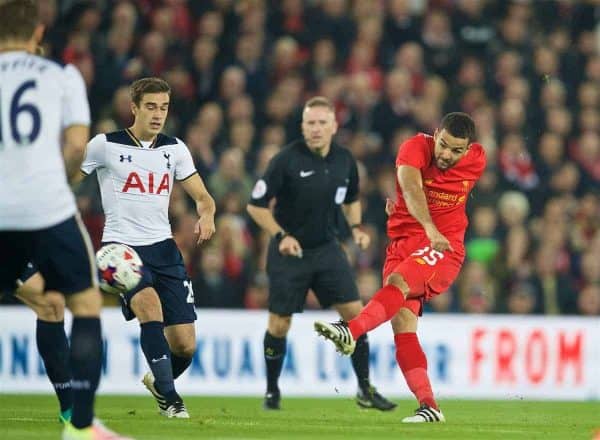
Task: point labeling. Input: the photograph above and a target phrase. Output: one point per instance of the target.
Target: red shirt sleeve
(415, 152)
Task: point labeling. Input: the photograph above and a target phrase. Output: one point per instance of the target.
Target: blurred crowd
(527, 71)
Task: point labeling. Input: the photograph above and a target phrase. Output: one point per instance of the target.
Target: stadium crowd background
(527, 71)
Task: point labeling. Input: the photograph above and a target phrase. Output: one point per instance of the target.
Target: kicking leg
(384, 304)
(146, 306)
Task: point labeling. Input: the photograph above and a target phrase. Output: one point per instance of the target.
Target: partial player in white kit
(136, 170)
(44, 120)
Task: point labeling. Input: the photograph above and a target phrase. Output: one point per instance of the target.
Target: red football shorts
(426, 271)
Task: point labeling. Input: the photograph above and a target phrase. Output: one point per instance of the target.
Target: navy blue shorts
(29, 271)
(164, 270)
(61, 253)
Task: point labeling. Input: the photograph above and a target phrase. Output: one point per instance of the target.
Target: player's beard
(442, 164)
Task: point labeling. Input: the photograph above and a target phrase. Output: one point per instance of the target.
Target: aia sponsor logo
(151, 185)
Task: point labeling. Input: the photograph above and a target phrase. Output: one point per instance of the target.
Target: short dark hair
(459, 125)
(18, 19)
(148, 85)
(319, 101)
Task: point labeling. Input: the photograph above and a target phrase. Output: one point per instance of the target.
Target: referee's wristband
(355, 225)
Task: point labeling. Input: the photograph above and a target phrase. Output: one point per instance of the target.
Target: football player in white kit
(44, 120)
(136, 169)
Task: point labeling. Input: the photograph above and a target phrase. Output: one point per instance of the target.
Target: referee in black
(310, 178)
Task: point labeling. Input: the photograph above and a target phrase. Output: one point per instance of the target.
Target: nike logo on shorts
(306, 173)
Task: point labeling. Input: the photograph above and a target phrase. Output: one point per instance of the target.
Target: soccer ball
(119, 267)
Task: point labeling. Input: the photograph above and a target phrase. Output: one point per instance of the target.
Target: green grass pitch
(34, 417)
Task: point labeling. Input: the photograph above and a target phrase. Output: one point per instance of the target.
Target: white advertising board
(469, 356)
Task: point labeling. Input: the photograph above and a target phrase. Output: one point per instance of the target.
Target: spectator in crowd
(527, 72)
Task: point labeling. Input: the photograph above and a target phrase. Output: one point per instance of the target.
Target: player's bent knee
(56, 306)
(181, 339)
(189, 351)
(405, 321)
(185, 350)
(397, 280)
(45, 313)
(50, 312)
(86, 303)
(43, 309)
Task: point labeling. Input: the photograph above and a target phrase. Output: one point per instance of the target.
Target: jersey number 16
(17, 108)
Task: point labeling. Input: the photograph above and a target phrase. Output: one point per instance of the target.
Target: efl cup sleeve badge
(260, 189)
(340, 194)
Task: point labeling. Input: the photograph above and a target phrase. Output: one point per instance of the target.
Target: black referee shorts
(324, 269)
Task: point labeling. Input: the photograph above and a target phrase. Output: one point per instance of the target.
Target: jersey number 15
(15, 110)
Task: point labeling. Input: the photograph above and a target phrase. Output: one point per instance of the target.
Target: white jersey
(136, 182)
(38, 99)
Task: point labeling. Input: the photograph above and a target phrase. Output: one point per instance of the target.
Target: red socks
(381, 308)
(413, 363)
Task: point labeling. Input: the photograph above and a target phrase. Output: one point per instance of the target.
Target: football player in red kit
(426, 228)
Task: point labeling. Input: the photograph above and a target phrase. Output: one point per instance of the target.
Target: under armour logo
(168, 157)
(125, 158)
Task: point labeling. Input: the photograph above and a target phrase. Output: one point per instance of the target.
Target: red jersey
(446, 190)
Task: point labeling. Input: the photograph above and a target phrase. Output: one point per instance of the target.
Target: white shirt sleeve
(184, 165)
(95, 154)
(76, 109)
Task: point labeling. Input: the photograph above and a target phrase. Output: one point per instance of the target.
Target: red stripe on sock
(381, 308)
(413, 363)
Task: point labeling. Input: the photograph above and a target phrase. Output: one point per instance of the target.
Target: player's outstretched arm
(411, 182)
(205, 207)
(75, 139)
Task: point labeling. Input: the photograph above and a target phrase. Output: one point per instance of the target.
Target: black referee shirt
(308, 189)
